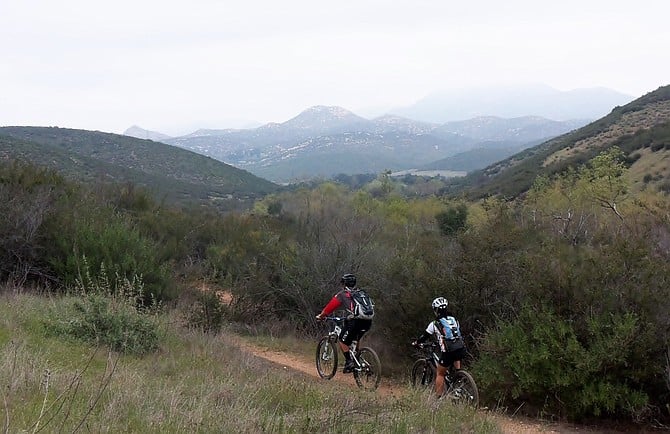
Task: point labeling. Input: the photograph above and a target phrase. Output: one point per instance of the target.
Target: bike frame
(335, 338)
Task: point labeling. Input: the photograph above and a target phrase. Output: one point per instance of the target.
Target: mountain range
(324, 141)
(640, 128)
(514, 101)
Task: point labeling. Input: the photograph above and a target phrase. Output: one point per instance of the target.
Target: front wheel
(423, 374)
(463, 389)
(326, 358)
(370, 373)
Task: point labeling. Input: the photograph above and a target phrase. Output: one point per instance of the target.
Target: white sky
(175, 66)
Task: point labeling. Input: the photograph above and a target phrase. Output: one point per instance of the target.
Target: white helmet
(440, 306)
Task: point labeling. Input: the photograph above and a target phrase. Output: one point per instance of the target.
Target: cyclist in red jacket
(353, 329)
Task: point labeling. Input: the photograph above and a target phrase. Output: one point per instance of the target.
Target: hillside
(172, 173)
(640, 128)
(475, 159)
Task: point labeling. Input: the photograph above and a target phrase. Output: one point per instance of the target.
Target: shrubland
(562, 293)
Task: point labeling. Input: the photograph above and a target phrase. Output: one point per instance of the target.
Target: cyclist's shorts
(449, 357)
(354, 329)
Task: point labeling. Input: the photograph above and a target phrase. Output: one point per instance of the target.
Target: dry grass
(194, 383)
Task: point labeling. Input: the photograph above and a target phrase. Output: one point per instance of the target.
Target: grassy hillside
(474, 159)
(641, 129)
(172, 173)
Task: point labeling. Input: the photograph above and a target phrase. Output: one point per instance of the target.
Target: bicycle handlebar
(424, 345)
(333, 318)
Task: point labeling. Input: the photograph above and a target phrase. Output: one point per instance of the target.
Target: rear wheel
(423, 374)
(326, 358)
(370, 373)
(463, 389)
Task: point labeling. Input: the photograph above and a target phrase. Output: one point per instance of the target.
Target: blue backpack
(451, 332)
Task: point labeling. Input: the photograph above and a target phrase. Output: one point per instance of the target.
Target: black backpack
(363, 307)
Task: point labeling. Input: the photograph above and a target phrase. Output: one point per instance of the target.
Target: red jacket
(341, 300)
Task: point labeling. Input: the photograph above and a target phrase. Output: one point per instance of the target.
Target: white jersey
(444, 330)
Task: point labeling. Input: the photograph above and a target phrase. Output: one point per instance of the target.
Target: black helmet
(348, 280)
(440, 306)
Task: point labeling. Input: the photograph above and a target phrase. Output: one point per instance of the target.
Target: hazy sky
(175, 66)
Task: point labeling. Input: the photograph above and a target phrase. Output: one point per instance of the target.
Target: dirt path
(508, 425)
(288, 361)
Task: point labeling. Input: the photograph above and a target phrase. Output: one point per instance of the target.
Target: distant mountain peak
(322, 113)
(141, 133)
(325, 118)
(328, 110)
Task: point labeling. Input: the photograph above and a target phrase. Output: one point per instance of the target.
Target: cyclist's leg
(439, 379)
(359, 327)
(447, 358)
(353, 330)
(346, 338)
(456, 356)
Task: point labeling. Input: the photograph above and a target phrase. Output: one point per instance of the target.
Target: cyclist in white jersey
(446, 332)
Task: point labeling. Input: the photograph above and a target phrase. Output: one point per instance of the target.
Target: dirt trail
(288, 361)
(508, 425)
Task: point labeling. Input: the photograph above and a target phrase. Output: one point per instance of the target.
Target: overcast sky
(175, 66)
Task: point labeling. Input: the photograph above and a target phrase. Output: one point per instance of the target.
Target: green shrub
(102, 317)
(453, 219)
(206, 313)
(103, 237)
(538, 359)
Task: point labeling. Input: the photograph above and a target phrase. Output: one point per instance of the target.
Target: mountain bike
(459, 385)
(367, 367)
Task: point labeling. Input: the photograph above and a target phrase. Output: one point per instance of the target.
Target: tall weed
(108, 314)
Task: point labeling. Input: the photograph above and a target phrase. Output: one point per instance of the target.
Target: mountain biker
(353, 329)
(446, 332)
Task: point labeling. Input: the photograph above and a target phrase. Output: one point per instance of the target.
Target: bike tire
(370, 373)
(463, 389)
(423, 374)
(326, 358)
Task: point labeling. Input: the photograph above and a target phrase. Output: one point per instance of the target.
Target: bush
(27, 196)
(453, 219)
(207, 312)
(102, 237)
(539, 358)
(103, 317)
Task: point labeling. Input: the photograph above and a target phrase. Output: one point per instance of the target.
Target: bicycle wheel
(423, 373)
(463, 389)
(370, 373)
(326, 358)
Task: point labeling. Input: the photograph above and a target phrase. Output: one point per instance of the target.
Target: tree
(453, 219)
(603, 179)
